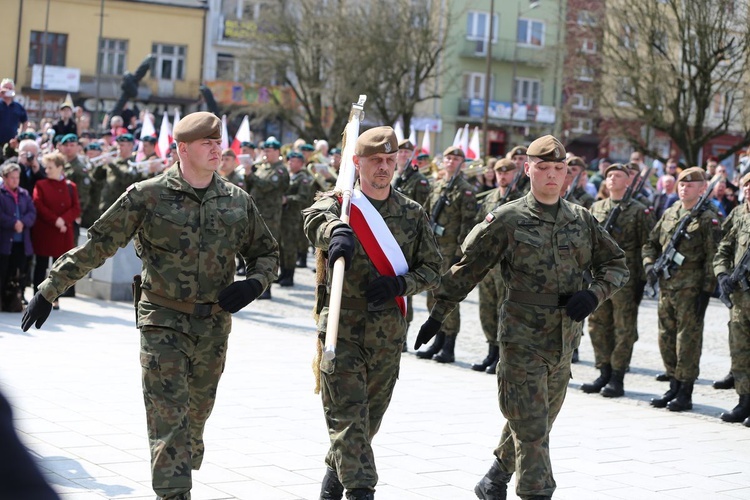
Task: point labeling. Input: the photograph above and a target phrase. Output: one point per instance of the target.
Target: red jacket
(53, 199)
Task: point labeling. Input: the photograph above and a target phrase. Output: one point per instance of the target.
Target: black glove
(37, 311)
(581, 304)
(640, 286)
(239, 294)
(651, 276)
(701, 303)
(341, 245)
(427, 331)
(385, 288)
(725, 284)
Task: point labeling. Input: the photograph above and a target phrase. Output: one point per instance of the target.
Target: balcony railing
(506, 51)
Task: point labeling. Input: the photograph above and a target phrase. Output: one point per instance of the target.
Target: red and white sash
(377, 240)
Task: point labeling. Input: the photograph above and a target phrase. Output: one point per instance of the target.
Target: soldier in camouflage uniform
(518, 156)
(542, 246)
(635, 169)
(298, 196)
(683, 298)
(613, 326)
(578, 166)
(451, 226)
(492, 287)
(267, 184)
(77, 172)
(228, 169)
(357, 385)
(91, 213)
(188, 224)
(116, 175)
(729, 254)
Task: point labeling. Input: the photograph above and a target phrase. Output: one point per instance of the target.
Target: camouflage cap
(518, 150)
(692, 174)
(547, 148)
(619, 167)
(745, 179)
(198, 125)
(504, 165)
(455, 151)
(68, 138)
(577, 161)
(376, 140)
(406, 144)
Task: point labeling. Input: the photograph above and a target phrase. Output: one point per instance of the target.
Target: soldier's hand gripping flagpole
(344, 187)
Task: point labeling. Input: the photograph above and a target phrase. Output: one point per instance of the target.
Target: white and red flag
(399, 130)
(147, 130)
(243, 135)
(457, 139)
(426, 142)
(165, 137)
(473, 152)
(224, 133)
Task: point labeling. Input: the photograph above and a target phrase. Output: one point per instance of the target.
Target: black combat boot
(746, 423)
(740, 412)
(575, 358)
(331, 489)
(725, 383)
(446, 354)
(265, 295)
(605, 373)
(360, 494)
(684, 399)
(301, 259)
(437, 344)
(662, 377)
(674, 386)
(614, 388)
(494, 484)
(492, 369)
(492, 355)
(287, 277)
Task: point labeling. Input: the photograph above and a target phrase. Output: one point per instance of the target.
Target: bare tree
(677, 66)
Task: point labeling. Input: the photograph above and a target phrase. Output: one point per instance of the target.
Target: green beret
(376, 140)
(423, 156)
(455, 151)
(149, 139)
(518, 150)
(93, 145)
(307, 147)
(335, 151)
(504, 165)
(125, 138)
(271, 143)
(547, 148)
(198, 125)
(27, 135)
(616, 166)
(692, 174)
(295, 154)
(68, 138)
(745, 179)
(247, 144)
(406, 144)
(577, 161)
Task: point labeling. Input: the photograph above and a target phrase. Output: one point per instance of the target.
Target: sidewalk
(75, 389)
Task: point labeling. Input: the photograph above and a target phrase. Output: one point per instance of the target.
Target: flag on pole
(165, 137)
(399, 131)
(412, 135)
(224, 133)
(457, 138)
(176, 118)
(243, 135)
(465, 139)
(426, 142)
(474, 153)
(147, 130)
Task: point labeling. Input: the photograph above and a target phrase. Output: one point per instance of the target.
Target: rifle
(442, 201)
(573, 186)
(408, 171)
(511, 186)
(738, 276)
(670, 257)
(609, 224)
(346, 185)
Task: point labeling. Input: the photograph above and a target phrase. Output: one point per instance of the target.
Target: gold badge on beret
(455, 151)
(619, 167)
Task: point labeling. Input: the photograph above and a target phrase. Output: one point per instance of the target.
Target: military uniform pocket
(163, 378)
(522, 394)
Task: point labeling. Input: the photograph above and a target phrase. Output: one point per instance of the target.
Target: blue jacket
(8, 219)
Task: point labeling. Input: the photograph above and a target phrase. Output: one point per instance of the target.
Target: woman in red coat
(57, 207)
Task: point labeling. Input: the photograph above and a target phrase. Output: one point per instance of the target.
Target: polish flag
(176, 118)
(465, 139)
(147, 130)
(412, 135)
(457, 139)
(399, 131)
(224, 133)
(473, 152)
(165, 136)
(426, 142)
(243, 135)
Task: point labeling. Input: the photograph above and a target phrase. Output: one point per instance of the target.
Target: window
(225, 67)
(57, 46)
(624, 92)
(530, 32)
(582, 125)
(586, 74)
(113, 56)
(477, 28)
(582, 102)
(526, 91)
(474, 86)
(586, 18)
(169, 62)
(627, 37)
(588, 46)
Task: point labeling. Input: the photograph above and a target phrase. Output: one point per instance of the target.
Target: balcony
(506, 51)
(500, 112)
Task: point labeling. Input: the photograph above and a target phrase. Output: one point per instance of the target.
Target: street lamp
(533, 4)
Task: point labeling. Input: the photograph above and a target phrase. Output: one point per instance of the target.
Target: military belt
(538, 299)
(192, 308)
(359, 304)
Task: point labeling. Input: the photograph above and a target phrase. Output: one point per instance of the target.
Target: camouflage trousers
(288, 248)
(356, 389)
(180, 375)
(739, 341)
(452, 323)
(680, 332)
(492, 293)
(613, 329)
(532, 385)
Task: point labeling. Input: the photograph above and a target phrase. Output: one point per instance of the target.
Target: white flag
(399, 131)
(426, 141)
(147, 130)
(224, 133)
(465, 139)
(176, 118)
(165, 137)
(412, 135)
(243, 135)
(474, 152)
(457, 138)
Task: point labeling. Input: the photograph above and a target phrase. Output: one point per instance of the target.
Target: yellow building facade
(77, 63)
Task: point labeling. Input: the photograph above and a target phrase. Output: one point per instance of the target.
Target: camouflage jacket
(236, 179)
(117, 176)
(699, 249)
(266, 184)
(734, 243)
(409, 225)
(78, 172)
(299, 196)
(457, 216)
(492, 201)
(630, 231)
(187, 246)
(536, 254)
(413, 185)
(585, 199)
